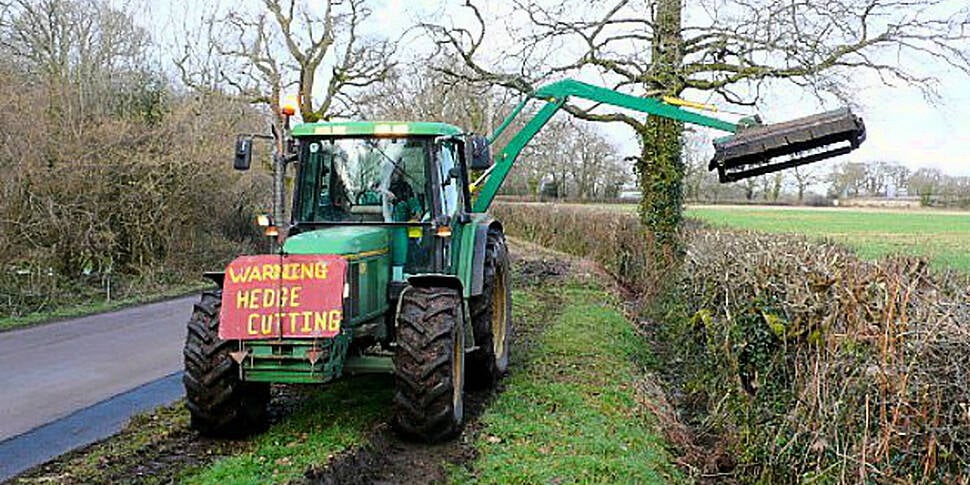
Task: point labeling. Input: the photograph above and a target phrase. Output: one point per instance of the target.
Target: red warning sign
(296, 296)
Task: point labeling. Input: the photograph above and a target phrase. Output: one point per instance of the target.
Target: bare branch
(260, 55)
(732, 48)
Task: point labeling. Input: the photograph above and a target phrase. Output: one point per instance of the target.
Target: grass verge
(571, 413)
(101, 306)
(311, 425)
(331, 420)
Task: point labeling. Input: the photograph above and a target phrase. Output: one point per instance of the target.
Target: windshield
(364, 179)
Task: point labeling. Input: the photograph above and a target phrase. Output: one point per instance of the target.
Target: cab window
(364, 179)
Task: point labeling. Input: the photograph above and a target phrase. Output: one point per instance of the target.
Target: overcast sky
(902, 126)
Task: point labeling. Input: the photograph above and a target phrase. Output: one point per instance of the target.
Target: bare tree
(285, 43)
(804, 177)
(750, 188)
(420, 93)
(847, 179)
(927, 183)
(260, 54)
(729, 49)
(896, 177)
(600, 172)
(83, 52)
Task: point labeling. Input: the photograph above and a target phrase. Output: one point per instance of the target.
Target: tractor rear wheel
(491, 316)
(219, 403)
(429, 364)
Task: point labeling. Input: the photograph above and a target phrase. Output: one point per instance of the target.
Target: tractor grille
(289, 361)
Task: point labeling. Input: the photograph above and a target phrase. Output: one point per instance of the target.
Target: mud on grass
(387, 458)
(152, 448)
(155, 447)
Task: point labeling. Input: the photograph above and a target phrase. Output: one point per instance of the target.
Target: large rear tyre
(219, 403)
(491, 317)
(429, 364)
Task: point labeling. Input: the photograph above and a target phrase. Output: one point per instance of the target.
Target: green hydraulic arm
(751, 149)
(555, 95)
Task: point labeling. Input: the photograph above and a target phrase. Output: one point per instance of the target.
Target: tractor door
(451, 194)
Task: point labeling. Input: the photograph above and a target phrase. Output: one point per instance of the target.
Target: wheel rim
(458, 372)
(499, 314)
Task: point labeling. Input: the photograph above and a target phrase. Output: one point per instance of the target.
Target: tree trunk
(660, 168)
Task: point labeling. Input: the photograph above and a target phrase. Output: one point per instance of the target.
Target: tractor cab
(406, 180)
(366, 180)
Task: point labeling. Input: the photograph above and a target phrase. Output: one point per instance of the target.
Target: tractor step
(761, 149)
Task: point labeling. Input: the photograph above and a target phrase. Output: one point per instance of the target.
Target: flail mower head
(759, 149)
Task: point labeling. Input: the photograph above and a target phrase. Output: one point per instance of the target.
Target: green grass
(334, 418)
(571, 415)
(942, 237)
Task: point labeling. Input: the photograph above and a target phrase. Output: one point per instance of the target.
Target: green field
(941, 236)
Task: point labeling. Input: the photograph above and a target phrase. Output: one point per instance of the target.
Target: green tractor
(391, 263)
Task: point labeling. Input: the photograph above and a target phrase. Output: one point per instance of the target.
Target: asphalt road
(50, 371)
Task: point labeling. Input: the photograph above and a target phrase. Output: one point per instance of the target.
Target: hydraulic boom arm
(753, 146)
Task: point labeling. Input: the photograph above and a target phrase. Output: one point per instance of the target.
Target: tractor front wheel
(491, 316)
(429, 364)
(219, 403)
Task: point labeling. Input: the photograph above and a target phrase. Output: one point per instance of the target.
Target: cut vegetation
(793, 361)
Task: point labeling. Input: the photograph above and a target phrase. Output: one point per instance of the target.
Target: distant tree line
(820, 185)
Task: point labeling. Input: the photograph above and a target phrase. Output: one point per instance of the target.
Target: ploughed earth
(159, 447)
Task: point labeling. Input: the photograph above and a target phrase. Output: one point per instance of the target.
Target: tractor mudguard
(217, 277)
(429, 280)
(478, 257)
(438, 280)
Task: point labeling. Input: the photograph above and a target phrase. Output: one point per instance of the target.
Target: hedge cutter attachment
(760, 149)
(752, 149)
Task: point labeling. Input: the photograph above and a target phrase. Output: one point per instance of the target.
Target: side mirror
(244, 153)
(477, 153)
